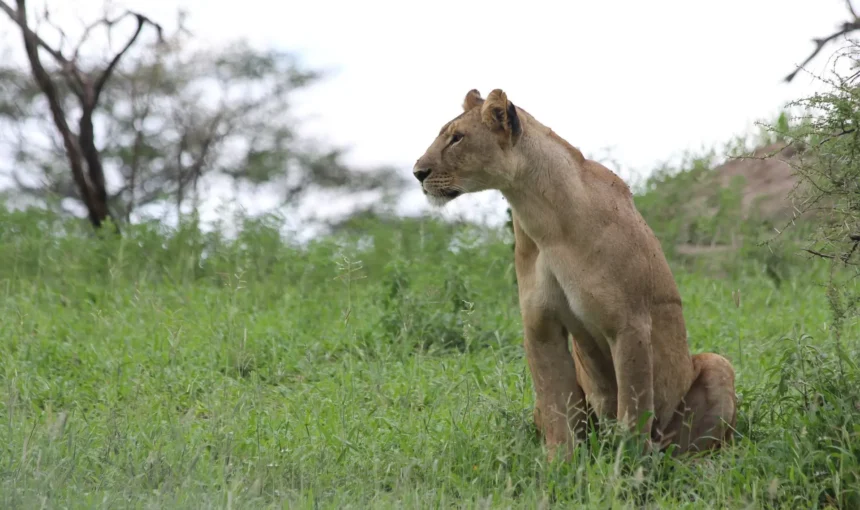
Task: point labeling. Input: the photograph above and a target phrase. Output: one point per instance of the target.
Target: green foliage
(380, 366)
(698, 216)
(825, 131)
(664, 197)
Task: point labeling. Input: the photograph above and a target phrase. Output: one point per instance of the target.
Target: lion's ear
(500, 115)
(473, 100)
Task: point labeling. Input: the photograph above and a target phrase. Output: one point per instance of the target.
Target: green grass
(184, 370)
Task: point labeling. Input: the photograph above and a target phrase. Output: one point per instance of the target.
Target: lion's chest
(573, 295)
(575, 304)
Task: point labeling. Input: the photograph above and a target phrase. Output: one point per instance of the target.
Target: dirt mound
(768, 176)
(768, 179)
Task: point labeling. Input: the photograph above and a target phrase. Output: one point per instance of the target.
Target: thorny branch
(845, 257)
(846, 28)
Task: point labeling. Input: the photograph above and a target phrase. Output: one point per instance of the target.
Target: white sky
(646, 79)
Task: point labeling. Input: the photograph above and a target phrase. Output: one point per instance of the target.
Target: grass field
(384, 370)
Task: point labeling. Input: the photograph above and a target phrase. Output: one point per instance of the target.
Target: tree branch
(141, 21)
(847, 27)
(89, 100)
(819, 254)
(851, 9)
(70, 142)
(847, 256)
(67, 67)
(81, 146)
(84, 36)
(21, 21)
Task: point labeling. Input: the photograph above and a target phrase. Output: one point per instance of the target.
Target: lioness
(587, 264)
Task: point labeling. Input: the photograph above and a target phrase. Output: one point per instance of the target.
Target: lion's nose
(421, 173)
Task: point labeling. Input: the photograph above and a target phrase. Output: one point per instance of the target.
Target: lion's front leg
(560, 406)
(634, 373)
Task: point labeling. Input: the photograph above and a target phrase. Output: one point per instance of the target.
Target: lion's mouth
(443, 193)
(442, 196)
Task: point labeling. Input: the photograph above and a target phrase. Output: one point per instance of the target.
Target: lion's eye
(456, 137)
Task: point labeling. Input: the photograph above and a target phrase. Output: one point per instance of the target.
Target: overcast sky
(646, 79)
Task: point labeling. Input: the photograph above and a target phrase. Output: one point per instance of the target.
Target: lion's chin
(442, 197)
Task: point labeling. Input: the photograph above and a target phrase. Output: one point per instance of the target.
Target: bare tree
(87, 86)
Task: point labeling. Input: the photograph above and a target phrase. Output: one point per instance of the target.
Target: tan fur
(473, 100)
(589, 267)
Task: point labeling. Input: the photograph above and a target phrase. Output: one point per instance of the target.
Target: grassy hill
(382, 367)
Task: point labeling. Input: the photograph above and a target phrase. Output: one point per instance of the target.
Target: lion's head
(473, 151)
